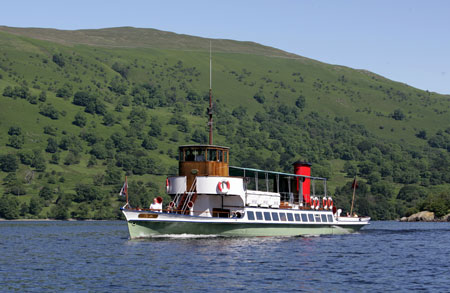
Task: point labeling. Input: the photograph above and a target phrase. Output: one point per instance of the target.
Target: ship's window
(330, 218)
(225, 157)
(190, 156)
(212, 155)
(275, 216)
(282, 216)
(259, 216)
(324, 218)
(317, 218)
(199, 155)
(251, 216)
(181, 156)
(267, 216)
(304, 218)
(290, 217)
(311, 217)
(220, 159)
(297, 217)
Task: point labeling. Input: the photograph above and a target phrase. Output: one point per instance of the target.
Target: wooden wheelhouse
(203, 160)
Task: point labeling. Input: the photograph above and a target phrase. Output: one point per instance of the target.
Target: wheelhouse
(203, 160)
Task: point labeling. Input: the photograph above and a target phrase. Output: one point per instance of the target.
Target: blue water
(99, 257)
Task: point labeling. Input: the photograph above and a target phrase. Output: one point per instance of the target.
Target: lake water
(99, 257)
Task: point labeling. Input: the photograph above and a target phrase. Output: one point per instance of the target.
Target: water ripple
(98, 256)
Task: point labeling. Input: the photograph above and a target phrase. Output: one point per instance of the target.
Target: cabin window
(212, 155)
(225, 157)
(297, 217)
(290, 217)
(282, 216)
(267, 216)
(196, 155)
(330, 218)
(181, 156)
(304, 218)
(275, 216)
(220, 153)
(317, 218)
(311, 217)
(324, 218)
(200, 156)
(259, 216)
(251, 216)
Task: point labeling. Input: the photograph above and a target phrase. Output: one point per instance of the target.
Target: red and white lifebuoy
(167, 185)
(324, 203)
(223, 186)
(190, 205)
(317, 203)
(330, 203)
(171, 204)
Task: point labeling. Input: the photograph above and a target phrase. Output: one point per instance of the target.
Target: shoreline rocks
(425, 216)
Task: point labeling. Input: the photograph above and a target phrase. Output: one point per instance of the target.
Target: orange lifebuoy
(317, 203)
(324, 202)
(224, 186)
(167, 185)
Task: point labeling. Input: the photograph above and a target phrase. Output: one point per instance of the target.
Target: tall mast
(210, 111)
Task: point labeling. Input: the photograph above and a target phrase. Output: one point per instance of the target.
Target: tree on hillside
(14, 130)
(9, 207)
(58, 59)
(65, 91)
(50, 111)
(8, 163)
(122, 69)
(81, 98)
(16, 141)
(118, 86)
(398, 114)
(301, 102)
(259, 97)
(80, 120)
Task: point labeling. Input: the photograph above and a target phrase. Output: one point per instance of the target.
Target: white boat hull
(143, 224)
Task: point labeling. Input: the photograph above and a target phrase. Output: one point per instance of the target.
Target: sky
(403, 40)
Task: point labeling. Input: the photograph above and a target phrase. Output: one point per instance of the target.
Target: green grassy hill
(80, 109)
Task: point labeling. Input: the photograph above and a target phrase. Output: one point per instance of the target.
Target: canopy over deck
(250, 172)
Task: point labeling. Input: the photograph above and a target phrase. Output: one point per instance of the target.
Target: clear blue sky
(403, 40)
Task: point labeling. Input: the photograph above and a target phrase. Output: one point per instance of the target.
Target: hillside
(130, 37)
(84, 109)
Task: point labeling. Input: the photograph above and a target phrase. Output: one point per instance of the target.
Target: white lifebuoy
(317, 203)
(167, 185)
(324, 203)
(223, 186)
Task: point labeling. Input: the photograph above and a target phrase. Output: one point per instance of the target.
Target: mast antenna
(210, 110)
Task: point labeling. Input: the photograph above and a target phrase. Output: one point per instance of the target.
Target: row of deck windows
(201, 155)
(289, 217)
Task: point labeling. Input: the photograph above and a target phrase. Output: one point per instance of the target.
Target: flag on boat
(124, 190)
